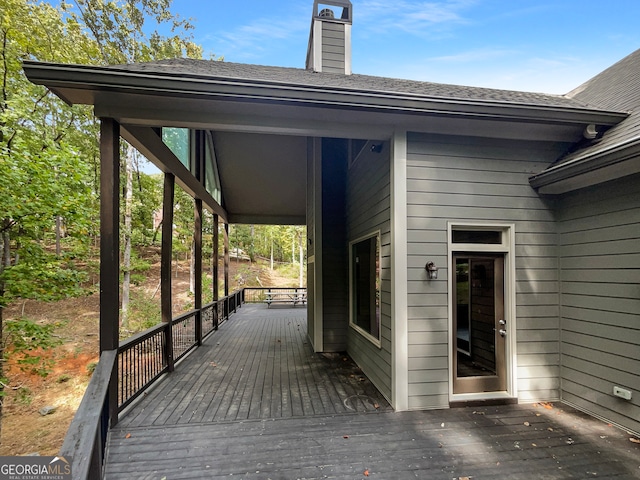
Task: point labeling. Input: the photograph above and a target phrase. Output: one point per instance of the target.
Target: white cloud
(261, 38)
(478, 55)
(415, 17)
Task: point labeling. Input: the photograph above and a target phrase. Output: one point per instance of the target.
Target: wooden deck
(256, 403)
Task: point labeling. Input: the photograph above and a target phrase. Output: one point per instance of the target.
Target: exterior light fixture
(432, 270)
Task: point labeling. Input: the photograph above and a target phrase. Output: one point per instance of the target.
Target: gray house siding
(333, 47)
(368, 204)
(600, 302)
(470, 179)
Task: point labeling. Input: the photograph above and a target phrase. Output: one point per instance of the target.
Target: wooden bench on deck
(297, 297)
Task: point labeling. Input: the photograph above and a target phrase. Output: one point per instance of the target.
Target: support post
(110, 251)
(214, 269)
(226, 259)
(165, 265)
(197, 294)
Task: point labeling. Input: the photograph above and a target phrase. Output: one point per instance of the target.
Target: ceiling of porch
(263, 177)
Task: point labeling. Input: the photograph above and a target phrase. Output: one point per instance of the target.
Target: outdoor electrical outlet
(622, 393)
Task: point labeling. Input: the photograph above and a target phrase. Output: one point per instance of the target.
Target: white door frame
(506, 247)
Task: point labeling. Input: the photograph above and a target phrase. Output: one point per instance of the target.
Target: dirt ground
(24, 429)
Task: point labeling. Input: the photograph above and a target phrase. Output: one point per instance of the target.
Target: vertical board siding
(368, 209)
(600, 299)
(464, 179)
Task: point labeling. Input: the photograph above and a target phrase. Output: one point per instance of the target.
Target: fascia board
(585, 165)
(83, 78)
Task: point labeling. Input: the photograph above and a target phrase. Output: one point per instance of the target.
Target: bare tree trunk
(6, 250)
(301, 258)
(272, 253)
(58, 235)
(126, 260)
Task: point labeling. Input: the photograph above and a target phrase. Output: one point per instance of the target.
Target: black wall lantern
(432, 270)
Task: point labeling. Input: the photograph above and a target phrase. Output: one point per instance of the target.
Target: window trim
(367, 335)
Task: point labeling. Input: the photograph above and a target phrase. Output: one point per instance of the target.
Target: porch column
(226, 259)
(110, 250)
(214, 269)
(165, 265)
(197, 293)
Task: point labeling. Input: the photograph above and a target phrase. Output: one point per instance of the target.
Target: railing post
(165, 266)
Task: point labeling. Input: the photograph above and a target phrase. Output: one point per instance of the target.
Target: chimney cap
(322, 9)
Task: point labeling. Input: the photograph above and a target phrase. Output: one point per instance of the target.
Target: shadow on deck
(255, 402)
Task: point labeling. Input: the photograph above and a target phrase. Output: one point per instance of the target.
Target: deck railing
(127, 372)
(86, 438)
(142, 359)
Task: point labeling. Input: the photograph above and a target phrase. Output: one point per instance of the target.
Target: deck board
(254, 402)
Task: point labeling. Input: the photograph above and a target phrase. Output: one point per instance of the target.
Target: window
(177, 139)
(365, 286)
(211, 179)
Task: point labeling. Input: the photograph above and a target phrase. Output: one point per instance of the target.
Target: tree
(42, 156)
(48, 150)
(118, 29)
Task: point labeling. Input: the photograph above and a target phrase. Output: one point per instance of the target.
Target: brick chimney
(330, 39)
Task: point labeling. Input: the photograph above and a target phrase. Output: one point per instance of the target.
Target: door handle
(502, 332)
(502, 322)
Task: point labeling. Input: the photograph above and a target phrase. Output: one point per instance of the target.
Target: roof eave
(564, 177)
(65, 80)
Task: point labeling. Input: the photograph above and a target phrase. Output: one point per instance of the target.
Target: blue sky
(549, 46)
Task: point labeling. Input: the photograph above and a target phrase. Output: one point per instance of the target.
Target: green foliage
(144, 312)
(43, 277)
(27, 338)
(91, 367)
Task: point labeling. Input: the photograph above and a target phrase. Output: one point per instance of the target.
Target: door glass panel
(475, 317)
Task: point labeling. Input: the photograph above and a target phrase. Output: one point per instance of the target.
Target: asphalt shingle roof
(616, 88)
(363, 83)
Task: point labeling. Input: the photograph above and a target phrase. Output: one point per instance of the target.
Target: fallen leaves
(547, 405)
(128, 435)
(527, 424)
(366, 473)
(345, 436)
(634, 440)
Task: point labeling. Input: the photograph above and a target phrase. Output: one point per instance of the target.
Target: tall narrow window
(177, 139)
(365, 286)
(212, 178)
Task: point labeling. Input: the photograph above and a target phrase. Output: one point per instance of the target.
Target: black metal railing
(124, 374)
(184, 334)
(141, 361)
